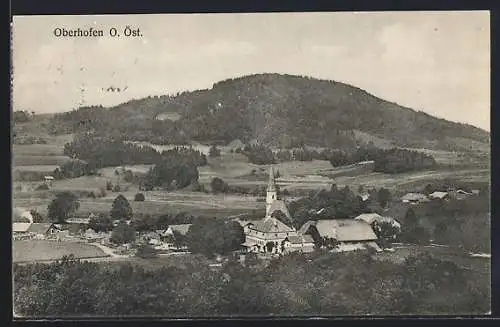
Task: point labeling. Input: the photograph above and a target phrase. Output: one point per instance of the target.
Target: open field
(39, 250)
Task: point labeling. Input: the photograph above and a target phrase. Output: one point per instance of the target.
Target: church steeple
(271, 191)
(271, 185)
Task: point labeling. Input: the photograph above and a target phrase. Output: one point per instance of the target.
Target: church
(270, 235)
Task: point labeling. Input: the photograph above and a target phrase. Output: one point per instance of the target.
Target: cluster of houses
(265, 235)
(458, 194)
(270, 235)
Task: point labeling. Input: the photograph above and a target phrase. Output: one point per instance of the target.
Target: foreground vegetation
(320, 284)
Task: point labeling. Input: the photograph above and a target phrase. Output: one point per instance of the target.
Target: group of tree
(323, 204)
(214, 236)
(259, 154)
(343, 284)
(74, 169)
(101, 152)
(395, 160)
(22, 116)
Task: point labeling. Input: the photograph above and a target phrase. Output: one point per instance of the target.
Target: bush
(139, 197)
(146, 251)
(116, 188)
(218, 185)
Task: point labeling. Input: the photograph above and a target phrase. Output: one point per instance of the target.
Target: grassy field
(38, 250)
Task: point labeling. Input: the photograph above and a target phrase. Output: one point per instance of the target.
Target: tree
(37, 217)
(121, 208)
(123, 233)
(386, 233)
(411, 231)
(64, 205)
(144, 222)
(383, 197)
(218, 185)
(101, 223)
(214, 236)
(214, 151)
(139, 197)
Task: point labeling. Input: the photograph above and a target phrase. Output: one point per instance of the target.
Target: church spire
(271, 185)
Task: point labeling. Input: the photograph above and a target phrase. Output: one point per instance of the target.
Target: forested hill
(277, 110)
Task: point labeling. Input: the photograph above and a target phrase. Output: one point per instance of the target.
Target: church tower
(272, 194)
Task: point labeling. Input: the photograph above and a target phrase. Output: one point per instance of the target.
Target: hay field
(41, 250)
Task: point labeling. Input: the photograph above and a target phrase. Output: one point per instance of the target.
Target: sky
(437, 62)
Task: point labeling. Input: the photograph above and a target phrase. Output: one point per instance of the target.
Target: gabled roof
(345, 230)
(279, 205)
(20, 227)
(369, 218)
(270, 225)
(413, 197)
(40, 228)
(300, 239)
(438, 195)
(182, 228)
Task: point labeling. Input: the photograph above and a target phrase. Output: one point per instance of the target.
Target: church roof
(271, 225)
(281, 206)
(271, 185)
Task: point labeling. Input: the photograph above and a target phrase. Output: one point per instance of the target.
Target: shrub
(139, 197)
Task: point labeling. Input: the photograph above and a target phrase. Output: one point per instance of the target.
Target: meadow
(44, 250)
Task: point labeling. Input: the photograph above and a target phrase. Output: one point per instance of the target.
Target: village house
(370, 218)
(42, 230)
(351, 234)
(167, 237)
(270, 235)
(414, 198)
(438, 195)
(48, 180)
(460, 194)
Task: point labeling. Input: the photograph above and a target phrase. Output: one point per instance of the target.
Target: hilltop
(276, 110)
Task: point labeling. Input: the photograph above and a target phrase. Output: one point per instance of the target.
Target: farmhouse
(370, 218)
(181, 229)
(48, 180)
(270, 235)
(299, 243)
(460, 194)
(414, 198)
(351, 234)
(169, 235)
(439, 195)
(42, 230)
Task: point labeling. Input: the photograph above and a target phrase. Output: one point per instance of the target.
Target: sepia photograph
(186, 166)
